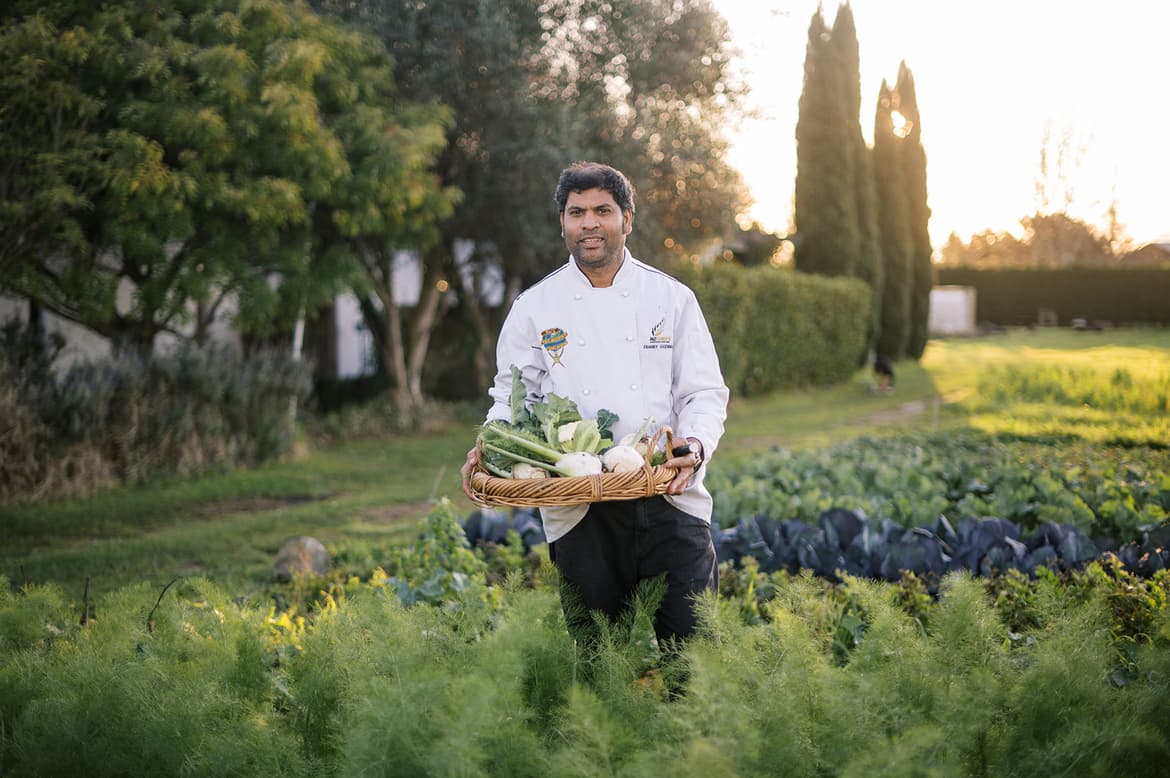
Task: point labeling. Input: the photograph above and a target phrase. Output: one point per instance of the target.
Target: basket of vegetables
(550, 456)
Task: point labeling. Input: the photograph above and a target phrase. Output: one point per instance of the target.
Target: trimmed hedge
(777, 329)
(1116, 295)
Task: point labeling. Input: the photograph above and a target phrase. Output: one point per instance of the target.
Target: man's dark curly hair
(581, 176)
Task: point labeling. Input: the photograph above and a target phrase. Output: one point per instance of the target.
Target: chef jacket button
(584, 391)
(629, 339)
(626, 293)
(576, 297)
(633, 387)
(581, 342)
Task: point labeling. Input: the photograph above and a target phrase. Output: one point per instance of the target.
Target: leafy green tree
(503, 151)
(534, 85)
(914, 179)
(894, 226)
(659, 93)
(49, 160)
(868, 261)
(207, 160)
(828, 234)
(391, 200)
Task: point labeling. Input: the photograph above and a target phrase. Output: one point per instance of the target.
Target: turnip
(640, 440)
(523, 470)
(579, 463)
(621, 459)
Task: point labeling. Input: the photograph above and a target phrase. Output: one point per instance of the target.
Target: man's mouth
(593, 240)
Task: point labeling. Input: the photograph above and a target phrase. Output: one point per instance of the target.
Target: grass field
(362, 497)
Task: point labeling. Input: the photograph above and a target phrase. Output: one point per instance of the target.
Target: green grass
(1105, 387)
(361, 498)
(229, 526)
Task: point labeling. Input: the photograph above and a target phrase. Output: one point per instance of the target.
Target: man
(611, 332)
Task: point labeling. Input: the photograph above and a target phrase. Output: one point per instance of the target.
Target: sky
(991, 76)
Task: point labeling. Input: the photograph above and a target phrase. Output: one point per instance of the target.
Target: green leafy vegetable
(605, 421)
(518, 401)
(553, 413)
(543, 434)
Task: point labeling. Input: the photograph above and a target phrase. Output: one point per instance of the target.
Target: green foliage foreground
(1020, 678)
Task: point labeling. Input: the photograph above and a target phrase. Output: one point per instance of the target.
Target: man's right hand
(468, 468)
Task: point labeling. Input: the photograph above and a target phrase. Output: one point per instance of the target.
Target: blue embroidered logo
(554, 340)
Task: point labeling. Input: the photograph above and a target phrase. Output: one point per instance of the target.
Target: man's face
(595, 229)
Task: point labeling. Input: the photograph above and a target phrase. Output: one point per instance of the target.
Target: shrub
(125, 419)
(776, 329)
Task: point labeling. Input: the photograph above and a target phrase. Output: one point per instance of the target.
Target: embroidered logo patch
(554, 340)
(658, 336)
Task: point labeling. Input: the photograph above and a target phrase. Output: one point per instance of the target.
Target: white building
(952, 311)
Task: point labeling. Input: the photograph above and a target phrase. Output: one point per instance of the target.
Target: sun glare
(902, 125)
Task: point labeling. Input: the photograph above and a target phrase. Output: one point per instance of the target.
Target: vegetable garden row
(881, 507)
(426, 668)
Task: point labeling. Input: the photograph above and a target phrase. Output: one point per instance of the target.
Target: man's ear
(628, 222)
(562, 224)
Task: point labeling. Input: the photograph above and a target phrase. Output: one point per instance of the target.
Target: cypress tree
(867, 259)
(825, 204)
(918, 212)
(894, 228)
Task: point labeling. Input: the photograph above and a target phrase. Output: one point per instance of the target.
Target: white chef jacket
(639, 348)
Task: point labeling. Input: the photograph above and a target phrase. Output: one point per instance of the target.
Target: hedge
(777, 329)
(1096, 294)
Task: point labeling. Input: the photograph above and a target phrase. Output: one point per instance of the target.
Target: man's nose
(589, 220)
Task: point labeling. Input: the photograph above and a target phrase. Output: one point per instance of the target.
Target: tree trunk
(321, 341)
(483, 364)
(393, 353)
(432, 306)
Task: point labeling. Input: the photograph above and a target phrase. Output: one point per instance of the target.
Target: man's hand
(466, 471)
(687, 462)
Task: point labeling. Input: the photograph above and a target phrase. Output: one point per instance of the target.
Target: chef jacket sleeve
(699, 393)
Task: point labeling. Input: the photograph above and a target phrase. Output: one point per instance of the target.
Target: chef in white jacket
(609, 331)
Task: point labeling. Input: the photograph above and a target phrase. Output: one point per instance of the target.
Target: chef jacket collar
(623, 275)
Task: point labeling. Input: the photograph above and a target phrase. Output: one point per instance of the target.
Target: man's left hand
(686, 464)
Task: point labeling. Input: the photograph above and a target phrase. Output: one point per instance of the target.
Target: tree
(534, 85)
(987, 249)
(204, 160)
(655, 74)
(894, 226)
(392, 200)
(1058, 240)
(49, 160)
(827, 226)
(868, 260)
(502, 151)
(918, 211)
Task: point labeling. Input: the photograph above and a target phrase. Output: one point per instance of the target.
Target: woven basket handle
(653, 447)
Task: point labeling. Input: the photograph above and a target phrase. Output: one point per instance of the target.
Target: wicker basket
(578, 490)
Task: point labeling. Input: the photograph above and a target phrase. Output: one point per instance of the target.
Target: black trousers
(619, 544)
